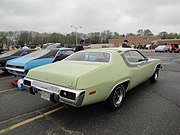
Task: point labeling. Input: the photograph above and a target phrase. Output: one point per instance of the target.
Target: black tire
(5, 70)
(155, 76)
(116, 98)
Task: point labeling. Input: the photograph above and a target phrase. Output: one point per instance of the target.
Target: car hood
(4, 59)
(64, 73)
(20, 61)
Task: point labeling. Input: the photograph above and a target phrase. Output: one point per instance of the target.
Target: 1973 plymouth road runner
(92, 76)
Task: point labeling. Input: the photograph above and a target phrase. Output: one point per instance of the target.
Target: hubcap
(118, 96)
(156, 76)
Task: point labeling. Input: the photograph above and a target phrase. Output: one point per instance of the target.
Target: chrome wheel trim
(118, 96)
(156, 76)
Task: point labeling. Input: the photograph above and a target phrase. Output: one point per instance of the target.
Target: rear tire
(116, 98)
(155, 76)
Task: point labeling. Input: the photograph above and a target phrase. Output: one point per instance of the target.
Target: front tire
(116, 98)
(155, 76)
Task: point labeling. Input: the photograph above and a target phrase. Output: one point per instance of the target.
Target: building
(143, 40)
(167, 41)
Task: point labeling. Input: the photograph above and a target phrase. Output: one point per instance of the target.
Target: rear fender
(125, 85)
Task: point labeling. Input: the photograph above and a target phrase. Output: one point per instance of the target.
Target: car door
(139, 67)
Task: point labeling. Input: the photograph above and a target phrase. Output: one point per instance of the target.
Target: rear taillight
(27, 83)
(68, 95)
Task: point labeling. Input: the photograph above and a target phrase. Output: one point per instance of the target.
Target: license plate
(45, 95)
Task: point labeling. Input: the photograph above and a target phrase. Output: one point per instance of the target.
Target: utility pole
(76, 29)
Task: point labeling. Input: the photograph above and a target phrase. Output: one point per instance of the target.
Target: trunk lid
(63, 73)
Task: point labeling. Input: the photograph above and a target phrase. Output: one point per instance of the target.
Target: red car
(175, 48)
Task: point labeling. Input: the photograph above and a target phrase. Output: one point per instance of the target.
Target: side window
(128, 56)
(69, 52)
(51, 54)
(66, 53)
(18, 53)
(24, 53)
(60, 53)
(134, 56)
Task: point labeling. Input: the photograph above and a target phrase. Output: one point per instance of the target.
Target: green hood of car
(64, 73)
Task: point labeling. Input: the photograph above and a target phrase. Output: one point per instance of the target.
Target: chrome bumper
(37, 87)
(15, 69)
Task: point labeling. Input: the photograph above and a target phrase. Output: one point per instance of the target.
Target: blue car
(20, 66)
(12, 55)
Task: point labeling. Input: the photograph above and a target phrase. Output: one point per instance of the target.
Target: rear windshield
(90, 56)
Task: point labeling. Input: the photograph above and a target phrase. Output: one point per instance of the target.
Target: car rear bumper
(55, 93)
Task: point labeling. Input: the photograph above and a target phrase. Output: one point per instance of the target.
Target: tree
(116, 35)
(130, 34)
(145, 32)
(148, 32)
(105, 35)
(140, 32)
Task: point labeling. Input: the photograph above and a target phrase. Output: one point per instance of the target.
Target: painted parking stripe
(6, 90)
(6, 77)
(30, 120)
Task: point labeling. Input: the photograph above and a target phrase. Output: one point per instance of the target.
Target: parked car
(92, 76)
(148, 46)
(21, 66)
(161, 48)
(11, 55)
(176, 48)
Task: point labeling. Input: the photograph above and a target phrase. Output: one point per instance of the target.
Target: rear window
(90, 56)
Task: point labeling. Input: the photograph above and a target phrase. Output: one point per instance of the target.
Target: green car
(92, 76)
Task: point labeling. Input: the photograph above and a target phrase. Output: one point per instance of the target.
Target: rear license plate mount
(45, 95)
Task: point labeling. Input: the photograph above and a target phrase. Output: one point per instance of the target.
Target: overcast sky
(123, 16)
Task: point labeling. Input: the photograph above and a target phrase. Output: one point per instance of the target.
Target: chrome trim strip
(15, 69)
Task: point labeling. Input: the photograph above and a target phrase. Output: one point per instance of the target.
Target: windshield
(9, 53)
(37, 54)
(90, 56)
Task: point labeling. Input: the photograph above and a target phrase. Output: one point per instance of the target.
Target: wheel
(116, 98)
(5, 70)
(155, 76)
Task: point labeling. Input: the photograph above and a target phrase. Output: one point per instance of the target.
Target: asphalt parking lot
(147, 109)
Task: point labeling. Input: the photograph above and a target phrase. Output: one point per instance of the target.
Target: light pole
(76, 28)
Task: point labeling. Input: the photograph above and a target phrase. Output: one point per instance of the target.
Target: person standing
(172, 47)
(13, 47)
(133, 45)
(1, 48)
(125, 44)
(38, 47)
(80, 46)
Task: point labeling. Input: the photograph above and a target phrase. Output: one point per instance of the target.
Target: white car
(148, 46)
(161, 48)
